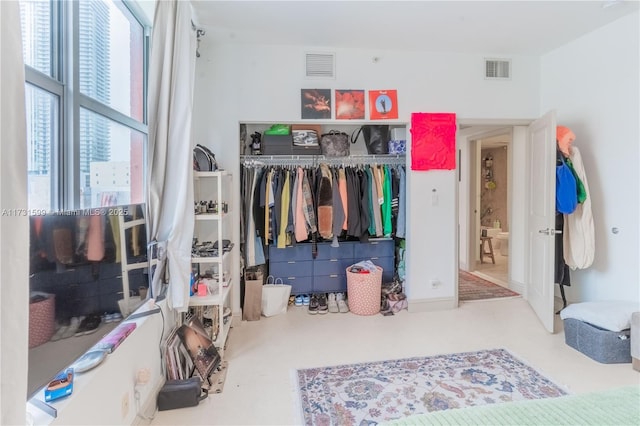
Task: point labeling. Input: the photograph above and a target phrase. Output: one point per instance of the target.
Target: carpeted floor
(471, 287)
(374, 392)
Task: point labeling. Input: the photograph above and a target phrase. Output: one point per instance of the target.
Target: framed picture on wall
(383, 104)
(315, 103)
(349, 104)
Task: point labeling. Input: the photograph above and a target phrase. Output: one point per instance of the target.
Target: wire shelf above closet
(312, 160)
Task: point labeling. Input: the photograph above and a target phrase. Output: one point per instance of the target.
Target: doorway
(492, 205)
(530, 211)
(485, 212)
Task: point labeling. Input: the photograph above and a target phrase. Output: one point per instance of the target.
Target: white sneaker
(342, 304)
(59, 333)
(333, 304)
(73, 327)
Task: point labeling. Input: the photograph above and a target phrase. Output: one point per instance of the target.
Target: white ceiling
(482, 27)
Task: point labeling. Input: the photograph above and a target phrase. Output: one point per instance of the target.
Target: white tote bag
(275, 297)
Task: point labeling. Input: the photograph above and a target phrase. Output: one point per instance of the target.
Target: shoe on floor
(60, 332)
(74, 323)
(333, 304)
(342, 304)
(313, 304)
(323, 308)
(306, 299)
(93, 324)
(114, 317)
(89, 325)
(298, 300)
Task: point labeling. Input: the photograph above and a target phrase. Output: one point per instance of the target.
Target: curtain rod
(306, 160)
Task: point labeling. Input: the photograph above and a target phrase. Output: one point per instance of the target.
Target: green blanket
(615, 407)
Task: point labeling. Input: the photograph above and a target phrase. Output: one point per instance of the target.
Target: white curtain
(170, 160)
(14, 224)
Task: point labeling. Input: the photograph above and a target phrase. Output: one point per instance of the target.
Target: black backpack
(203, 159)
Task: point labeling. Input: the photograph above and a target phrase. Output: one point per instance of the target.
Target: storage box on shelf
(212, 252)
(283, 144)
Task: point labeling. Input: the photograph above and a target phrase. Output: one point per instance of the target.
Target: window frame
(64, 83)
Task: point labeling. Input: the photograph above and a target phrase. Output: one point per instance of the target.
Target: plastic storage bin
(363, 292)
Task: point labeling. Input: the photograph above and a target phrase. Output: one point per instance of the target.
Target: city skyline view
(106, 34)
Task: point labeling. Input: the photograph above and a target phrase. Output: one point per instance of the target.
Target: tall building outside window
(85, 97)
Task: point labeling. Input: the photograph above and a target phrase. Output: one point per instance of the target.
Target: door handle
(550, 231)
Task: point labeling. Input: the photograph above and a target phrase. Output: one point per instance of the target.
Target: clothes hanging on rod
(575, 245)
(579, 232)
(287, 204)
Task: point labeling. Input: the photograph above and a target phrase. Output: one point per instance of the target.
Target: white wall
(262, 83)
(594, 85)
(14, 223)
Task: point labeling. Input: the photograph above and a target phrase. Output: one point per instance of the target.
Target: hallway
(498, 273)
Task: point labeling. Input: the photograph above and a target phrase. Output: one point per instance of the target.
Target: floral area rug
(471, 287)
(374, 392)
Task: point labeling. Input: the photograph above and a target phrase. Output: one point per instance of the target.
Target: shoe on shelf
(342, 303)
(313, 304)
(333, 304)
(226, 312)
(306, 299)
(323, 308)
(298, 300)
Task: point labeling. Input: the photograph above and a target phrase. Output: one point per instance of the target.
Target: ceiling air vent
(320, 65)
(497, 69)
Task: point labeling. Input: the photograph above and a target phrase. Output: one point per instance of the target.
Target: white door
(541, 218)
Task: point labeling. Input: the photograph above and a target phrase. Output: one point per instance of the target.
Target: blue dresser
(327, 272)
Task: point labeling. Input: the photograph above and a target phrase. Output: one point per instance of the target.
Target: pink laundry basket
(42, 321)
(363, 292)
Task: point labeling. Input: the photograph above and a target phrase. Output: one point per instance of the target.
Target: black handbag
(335, 144)
(376, 138)
(180, 394)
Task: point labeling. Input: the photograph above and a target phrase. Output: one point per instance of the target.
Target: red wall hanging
(433, 141)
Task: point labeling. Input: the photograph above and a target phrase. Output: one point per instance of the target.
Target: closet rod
(305, 160)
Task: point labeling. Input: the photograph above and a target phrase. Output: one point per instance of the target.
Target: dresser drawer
(388, 267)
(331, 267)
(326, 252)
(377, 248)
(292, 268)
(330, 283)
(299, 285)
(297, 252)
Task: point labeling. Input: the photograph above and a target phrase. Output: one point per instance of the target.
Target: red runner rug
(471, 287)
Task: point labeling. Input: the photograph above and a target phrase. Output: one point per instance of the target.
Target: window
(86, 64)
